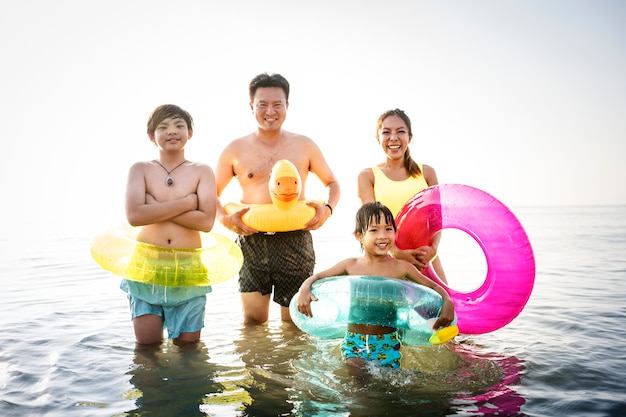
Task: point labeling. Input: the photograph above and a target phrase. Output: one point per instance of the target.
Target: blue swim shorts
(381, 348)
(186, 317)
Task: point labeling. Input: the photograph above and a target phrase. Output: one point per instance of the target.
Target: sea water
(67, 346)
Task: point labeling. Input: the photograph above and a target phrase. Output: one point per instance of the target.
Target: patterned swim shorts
(278, 261)
(382, 348)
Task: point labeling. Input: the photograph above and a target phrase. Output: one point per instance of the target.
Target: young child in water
(376, 230)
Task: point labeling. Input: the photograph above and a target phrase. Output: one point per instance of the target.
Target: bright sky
(523, 99)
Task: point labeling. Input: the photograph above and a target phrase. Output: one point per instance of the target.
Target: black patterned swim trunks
(280, 260)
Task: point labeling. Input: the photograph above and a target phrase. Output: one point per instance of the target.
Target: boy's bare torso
(168, 233)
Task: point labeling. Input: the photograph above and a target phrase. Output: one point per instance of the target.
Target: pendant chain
(169, 180)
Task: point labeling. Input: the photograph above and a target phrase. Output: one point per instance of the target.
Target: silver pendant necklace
(169, 180)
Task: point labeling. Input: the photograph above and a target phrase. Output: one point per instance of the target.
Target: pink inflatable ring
(510, 261)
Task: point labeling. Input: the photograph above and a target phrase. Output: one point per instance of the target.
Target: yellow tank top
(395, 194)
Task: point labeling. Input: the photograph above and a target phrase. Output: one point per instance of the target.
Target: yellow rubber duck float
(286, 213)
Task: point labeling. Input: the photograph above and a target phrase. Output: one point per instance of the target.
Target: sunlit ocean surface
(67, 345)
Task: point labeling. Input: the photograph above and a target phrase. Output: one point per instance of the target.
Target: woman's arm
(366, 186)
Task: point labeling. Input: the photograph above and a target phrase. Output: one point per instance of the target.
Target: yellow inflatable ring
(286, 213)
(117, 251)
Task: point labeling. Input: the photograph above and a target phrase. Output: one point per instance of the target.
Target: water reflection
(171, 380)
(498, 396)
(443, 380)
(276, 370)
(268, 352)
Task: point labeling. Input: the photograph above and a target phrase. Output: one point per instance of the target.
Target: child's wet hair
(167, 111)
(372, 213)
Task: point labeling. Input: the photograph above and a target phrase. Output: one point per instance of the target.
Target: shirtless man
(272, 261)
